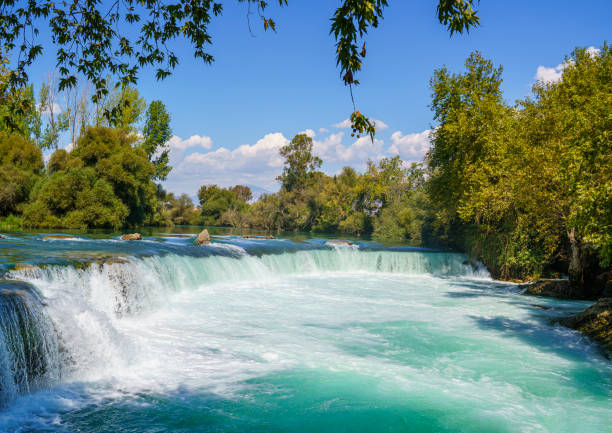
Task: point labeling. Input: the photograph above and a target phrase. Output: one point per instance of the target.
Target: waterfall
(82, 304)
(29, 351)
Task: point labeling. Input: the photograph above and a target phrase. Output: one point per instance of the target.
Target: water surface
(288, 335)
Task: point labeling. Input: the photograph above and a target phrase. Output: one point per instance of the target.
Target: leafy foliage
(20, 164)
(181, 210)
(92, 43)
(103, 182)
(300, 164)
(223, 206)
(156, 134)
(527, 186)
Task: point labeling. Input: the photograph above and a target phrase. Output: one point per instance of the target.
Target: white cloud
(361, 150)
(194, 141)
(326, 149)
(551, 75)
(332, 150)
(346, 124)
(410, 147)
(256, 164)
(308, 132)
(323, 130)
(380, 125)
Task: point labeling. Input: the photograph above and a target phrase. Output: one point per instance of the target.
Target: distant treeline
(527, 188)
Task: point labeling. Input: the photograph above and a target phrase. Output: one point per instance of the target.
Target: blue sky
(230, 118)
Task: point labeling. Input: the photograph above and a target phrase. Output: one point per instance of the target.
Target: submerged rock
(64, 237)
(258, 237)
(115, 260)
(23, 266)
(339, 242)
(203, 238)
(541, 307)
(595, 322)
(131, 237)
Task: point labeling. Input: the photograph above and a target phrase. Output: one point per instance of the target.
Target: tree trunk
(576, 265)
(584, 267)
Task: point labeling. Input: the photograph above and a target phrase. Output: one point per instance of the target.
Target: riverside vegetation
(525, 188)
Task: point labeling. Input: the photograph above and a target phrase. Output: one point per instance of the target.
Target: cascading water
(275, 336)
(29, 351)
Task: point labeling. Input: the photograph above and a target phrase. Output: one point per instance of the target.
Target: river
(281, 335)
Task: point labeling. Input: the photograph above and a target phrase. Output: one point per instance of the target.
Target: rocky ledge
(562, 289)
(595, 322)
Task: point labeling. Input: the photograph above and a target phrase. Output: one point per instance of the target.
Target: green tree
(526, 188)
(242, 192)
(121, 108)
(20, 165)
(215, 201)
(57, 119)
(156, 134)
(104, 182)
(300, 163)
(181, 210)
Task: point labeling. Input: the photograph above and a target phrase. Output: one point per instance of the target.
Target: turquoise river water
(282, 335)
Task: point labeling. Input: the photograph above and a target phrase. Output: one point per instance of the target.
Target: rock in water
(595, 322)
(203, 238)
(552, 288)
(131, 237)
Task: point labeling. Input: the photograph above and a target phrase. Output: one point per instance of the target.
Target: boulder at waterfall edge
(203, 238)
(131, 237)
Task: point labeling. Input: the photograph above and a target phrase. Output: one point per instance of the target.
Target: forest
(525, 187)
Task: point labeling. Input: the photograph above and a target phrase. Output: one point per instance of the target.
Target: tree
(18, 113)
(78, 111)
(242, 192)
(215, 201)
(121, 108)
(527, 189)
(156, 134)
(89, 41)
(49, 107)
(104, 182)
(464, 105)
(181, 210)
(300, 163)
(20, 164)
